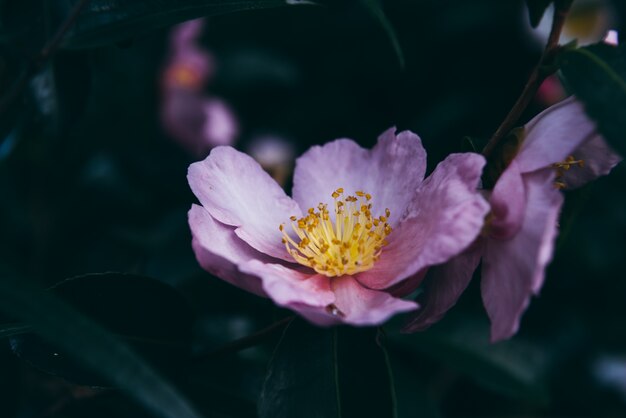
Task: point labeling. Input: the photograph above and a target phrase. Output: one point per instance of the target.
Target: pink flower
(561, 149)
(360, 231)
(197, 122)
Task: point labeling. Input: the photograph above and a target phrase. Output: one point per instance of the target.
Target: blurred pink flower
(275, 154)
(361, 229)
(561, 149)
(199, 123)
(550, 92)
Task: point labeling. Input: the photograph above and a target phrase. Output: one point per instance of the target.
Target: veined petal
(447, 216)
(219, 250)
(236, 191)
(444, 287)
(514, 269)
(554, 134)
(390, 172)
(360, 306)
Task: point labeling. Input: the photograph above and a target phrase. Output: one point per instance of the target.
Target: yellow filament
(349, 246)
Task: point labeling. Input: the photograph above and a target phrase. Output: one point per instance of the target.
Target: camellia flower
(360, 231)
(561, 149)
(198, 122)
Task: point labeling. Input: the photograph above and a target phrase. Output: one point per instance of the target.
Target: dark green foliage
(92, 347)
(340, 372)
(597, 75)
(150, 316)
(376, 9)
(109, 21)
(514, 368)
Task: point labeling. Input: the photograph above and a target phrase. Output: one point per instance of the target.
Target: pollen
(348, 244)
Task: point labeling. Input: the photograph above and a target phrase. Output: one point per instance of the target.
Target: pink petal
(514, 269)
(445, 285)
(236, 191)
(554, 134)
(187, 32)
(219, 250)
(599, 159)
(301, 292)
(220, 127)
(390, 172)
(360, 306)
(447, 216)
(611, 38)
(508, 203)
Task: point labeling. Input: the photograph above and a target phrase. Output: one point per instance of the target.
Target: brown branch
(537, 77)
(245, 342)
(42, 57)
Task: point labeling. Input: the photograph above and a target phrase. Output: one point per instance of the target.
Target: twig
(245, 342)
(42, 57)
(536, 77)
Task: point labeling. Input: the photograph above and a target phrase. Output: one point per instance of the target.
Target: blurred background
(93, 160)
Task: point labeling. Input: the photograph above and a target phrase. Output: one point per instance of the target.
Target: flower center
(349, 245)
(564, 166)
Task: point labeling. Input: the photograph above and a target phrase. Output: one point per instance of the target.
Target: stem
(537, 77)
(245, 342)
(44, 55)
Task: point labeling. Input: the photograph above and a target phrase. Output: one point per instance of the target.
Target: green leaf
(108, 21)
(536, 9)
(92, 346)
(514, 368)
(159, 327)
(596, 74)
(338, 372)
(376, 10)
(9, 330)
(414, 399)
(302, 376)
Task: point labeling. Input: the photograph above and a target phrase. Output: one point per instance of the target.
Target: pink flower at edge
(236, 233)
(561, 149)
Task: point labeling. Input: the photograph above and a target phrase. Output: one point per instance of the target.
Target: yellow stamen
(564, 166)
(348, 246)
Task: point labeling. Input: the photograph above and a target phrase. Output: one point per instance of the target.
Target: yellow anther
(564, 166)
(348, 243)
